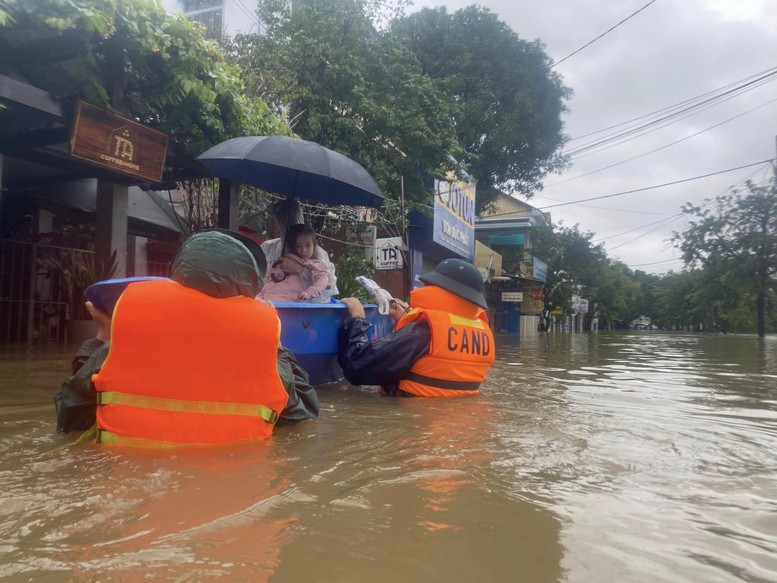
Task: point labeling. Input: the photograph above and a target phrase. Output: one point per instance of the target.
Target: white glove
(380, 295)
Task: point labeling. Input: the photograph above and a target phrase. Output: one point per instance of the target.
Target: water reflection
(629, 457)
(410, 491)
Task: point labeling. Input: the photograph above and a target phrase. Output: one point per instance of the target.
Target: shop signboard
(540, 270)
(512, 296)
(580, 305)
(534, 299)
(118, 143)
(388, 253)
(454, 217)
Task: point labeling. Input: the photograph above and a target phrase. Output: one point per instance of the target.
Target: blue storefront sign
(540, 270)
(454, 217)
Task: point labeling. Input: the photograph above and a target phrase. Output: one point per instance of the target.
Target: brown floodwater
(589, 457)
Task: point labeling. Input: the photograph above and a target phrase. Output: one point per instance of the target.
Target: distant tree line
(729, 283)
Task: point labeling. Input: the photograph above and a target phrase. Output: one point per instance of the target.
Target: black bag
(76, 400)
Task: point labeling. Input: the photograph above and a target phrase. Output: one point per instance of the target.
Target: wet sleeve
(303, 400)
(76, 400)
(319, 276)
(85, 351)
(385, 360)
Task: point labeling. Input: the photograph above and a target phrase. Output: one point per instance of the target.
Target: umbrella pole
(288, 214)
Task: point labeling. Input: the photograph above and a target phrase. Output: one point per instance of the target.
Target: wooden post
(111, 226)
(229, 204)
(407, 279)
(1, 192)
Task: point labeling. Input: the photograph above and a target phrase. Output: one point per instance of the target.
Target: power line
(247, 12)
(673, 117)
(665, 220)
(603, 34)
(656, 186)
(668, 215)
(656, 262)
(676, 105)
(590, 206)
(666, 145)
(674, 217)
(646, 233)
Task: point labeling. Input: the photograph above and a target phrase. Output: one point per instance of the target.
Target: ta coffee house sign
(388, 253)
(454, 217)
(118, 143)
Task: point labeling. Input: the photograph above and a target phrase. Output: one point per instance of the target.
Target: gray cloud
(670, 52)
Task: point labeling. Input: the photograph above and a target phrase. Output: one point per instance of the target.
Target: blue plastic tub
(310, 331)
(104, 294)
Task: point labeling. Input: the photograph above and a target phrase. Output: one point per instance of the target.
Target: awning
(506, 240)
(149, 214)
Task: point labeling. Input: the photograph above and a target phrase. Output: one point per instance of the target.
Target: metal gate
(33, 306)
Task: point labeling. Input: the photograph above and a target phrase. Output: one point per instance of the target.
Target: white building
(219, 16)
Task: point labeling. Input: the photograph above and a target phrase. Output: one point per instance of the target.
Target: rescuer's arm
(85, 351)
(103, 335)
(76, 400)
(303, 400)
(382, 361)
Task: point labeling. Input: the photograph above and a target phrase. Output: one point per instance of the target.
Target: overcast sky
(672, 51)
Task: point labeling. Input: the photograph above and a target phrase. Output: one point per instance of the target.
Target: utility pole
(407, 283)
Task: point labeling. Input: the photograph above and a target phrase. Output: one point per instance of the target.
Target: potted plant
(72, 271)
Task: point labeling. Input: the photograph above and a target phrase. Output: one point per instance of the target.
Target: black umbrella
(294, 168)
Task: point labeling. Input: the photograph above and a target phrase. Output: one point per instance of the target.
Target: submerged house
(517, 292)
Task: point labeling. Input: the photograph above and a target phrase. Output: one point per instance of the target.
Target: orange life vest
(186, 368)
(462, 347)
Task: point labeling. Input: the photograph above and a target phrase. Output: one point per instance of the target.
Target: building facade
(517, 292)
(219, 17)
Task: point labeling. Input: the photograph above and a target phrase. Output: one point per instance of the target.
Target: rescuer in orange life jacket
(192, 360)
(441, 347)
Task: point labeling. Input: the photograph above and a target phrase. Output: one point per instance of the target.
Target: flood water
(589, 457)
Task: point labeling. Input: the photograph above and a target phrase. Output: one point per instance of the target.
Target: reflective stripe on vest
(115, 439)
(471, 322)
(179, 406)
(442, 383)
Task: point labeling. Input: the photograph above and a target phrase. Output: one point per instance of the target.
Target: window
(197, 5)
(209, 13)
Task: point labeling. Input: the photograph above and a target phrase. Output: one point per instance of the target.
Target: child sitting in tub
(297, 276)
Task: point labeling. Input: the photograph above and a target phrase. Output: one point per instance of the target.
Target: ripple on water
(609, 457)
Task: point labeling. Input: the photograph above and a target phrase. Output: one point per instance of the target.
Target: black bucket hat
(253, 247)
(458, 277)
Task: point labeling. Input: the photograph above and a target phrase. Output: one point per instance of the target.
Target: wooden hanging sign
(117, 142)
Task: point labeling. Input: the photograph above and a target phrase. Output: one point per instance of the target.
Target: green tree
(343, 83)
(574, 266)
(674, 305)
(616, 297)
(738, 231)
(132, 56)
(509, 103)
(5, 17)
